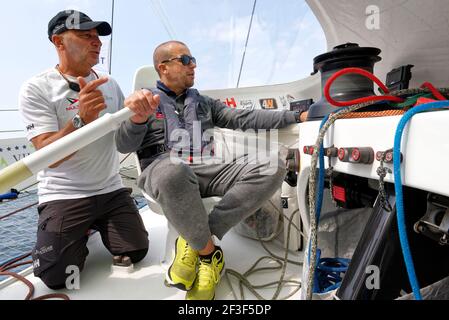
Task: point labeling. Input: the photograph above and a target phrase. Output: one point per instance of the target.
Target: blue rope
(329, 273)
(322, 172)
(399, 195)
(320, 185)
(9, 196)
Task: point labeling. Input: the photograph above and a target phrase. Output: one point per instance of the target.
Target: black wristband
(298, 116)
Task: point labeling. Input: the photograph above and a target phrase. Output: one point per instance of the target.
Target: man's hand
(91, 99)
(143, 104)
(303, 116)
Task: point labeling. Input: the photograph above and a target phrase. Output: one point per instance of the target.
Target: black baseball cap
(75, 20)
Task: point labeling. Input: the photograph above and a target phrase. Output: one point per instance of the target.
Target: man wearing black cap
(83, 191)
(75, 20)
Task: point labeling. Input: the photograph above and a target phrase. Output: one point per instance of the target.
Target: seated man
(83, 191)
(178, 186)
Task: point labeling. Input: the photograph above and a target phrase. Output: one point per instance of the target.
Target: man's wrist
(78, 122)
(139, 123)
(301, 116)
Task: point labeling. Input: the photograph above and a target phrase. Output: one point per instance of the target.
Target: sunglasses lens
(185, 60)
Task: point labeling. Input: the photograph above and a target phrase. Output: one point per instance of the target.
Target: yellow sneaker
(208, 277)
(182, 272)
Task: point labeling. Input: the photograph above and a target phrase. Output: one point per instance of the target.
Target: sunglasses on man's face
(185, 59)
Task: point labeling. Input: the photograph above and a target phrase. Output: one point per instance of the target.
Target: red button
(341, 154)
(356, 154)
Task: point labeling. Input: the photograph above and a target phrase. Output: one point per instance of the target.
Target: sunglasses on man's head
(185, 59)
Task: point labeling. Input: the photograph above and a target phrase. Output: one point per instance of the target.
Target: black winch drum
(347, 87)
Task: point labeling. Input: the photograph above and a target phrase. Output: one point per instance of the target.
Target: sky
(285, 37)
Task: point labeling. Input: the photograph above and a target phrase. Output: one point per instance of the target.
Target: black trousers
(63, 226)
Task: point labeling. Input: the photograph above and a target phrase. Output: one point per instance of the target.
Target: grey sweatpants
(244, 185)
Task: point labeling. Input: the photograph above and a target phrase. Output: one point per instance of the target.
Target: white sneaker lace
(208, 271)
(189, 256)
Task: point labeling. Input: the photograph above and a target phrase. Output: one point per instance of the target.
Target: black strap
(151, 151)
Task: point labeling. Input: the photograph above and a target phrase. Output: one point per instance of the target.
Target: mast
(246, 45)
(112, 36)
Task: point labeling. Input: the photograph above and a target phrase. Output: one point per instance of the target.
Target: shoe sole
(169, 281)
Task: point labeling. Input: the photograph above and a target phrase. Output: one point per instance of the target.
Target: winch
(350, 86)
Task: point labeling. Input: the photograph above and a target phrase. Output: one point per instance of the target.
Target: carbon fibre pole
(60, 149)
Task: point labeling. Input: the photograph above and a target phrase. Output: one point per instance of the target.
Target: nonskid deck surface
(98, 282)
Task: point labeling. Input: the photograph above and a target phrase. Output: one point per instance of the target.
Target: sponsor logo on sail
(230, 102)
(269, 104)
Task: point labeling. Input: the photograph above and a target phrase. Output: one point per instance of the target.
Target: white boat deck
(98, 282)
